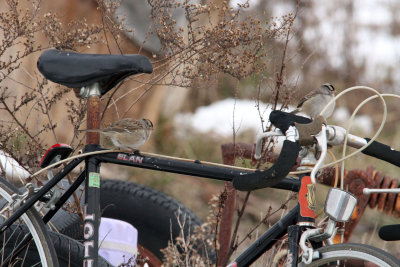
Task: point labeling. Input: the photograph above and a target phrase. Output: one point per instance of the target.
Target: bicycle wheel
(40, 252)
(354, 255)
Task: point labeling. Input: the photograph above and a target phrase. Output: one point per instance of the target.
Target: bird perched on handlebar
(127, 133)
(315, 101)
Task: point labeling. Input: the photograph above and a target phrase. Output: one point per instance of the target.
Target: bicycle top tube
(183, 166)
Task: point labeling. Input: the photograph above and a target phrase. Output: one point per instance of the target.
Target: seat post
(92, 184)
(92, 93)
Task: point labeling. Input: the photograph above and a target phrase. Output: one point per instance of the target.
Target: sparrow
(128, 133)
(314, 102)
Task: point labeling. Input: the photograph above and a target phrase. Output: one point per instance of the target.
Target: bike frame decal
(307, 198)
(94, 179)
(88, 234)
(289, 259)
(134, 159)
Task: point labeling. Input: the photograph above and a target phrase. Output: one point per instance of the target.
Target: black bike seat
(77, 70)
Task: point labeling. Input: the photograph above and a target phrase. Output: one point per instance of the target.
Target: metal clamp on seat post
(92, 90)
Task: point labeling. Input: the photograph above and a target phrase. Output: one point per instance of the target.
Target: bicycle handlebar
(286, 160)
(375, 149)
(285, 122)
(383, 152)
(268, 178)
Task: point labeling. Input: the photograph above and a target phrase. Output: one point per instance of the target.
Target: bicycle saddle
(77, 70)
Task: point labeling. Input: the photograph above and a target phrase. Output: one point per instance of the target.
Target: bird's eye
(330, 87)
(149, 123)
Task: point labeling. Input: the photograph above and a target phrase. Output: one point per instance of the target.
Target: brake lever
(291, 135)
(260, 140)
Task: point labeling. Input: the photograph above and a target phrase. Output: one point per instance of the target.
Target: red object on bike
(62, 151)
(307, 198)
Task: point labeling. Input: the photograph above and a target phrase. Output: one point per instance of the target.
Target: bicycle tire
(42, 251)
(131, 202)
(352, 255)
(71, 252)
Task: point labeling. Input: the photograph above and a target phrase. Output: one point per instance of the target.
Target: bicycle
(97, 74)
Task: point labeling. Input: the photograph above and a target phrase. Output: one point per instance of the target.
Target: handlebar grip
(383, 152)
(390, 232)
(282, 120)
(268, 178)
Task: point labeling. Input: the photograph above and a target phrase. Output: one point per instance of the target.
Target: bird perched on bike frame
(315, 101)
(127, 133)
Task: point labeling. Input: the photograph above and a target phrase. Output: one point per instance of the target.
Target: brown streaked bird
(128, 133)
(315, 101)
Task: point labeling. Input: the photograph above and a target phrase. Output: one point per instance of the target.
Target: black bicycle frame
(268, 239)
(91, 175)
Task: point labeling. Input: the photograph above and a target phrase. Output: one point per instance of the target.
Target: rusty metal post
(225, 230)
(93, 119)
(229, 153)
(355, 182)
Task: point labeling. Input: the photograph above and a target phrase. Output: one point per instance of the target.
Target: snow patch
(221, 117)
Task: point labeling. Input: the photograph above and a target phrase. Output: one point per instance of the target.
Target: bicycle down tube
(302, 215)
